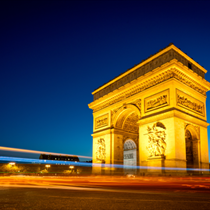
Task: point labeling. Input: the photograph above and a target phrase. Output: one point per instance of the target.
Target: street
(104, 193)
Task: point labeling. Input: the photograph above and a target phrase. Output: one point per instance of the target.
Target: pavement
(101, 192)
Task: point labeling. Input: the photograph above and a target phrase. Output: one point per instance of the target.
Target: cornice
(126, 87)
(189, 58)
(152, 79)
(169, 53)
(193, 76)
(133, 69)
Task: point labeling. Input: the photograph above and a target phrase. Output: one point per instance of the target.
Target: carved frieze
(157, 140)
(101, 121)
(156, 101)
(187, 81)
(161, 100)
(188, 102)
(100, 150)
(172, 73)
(139, 88)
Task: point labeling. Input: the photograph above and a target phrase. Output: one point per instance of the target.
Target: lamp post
(12, 163)
(71, 167)
(47, 166)
(11, 167)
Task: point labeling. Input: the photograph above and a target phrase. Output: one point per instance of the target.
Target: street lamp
(12, 163)
(71, 167)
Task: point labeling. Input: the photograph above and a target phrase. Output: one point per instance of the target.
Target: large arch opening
(126, 126)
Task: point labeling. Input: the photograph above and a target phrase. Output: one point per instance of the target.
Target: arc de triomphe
(154, 114)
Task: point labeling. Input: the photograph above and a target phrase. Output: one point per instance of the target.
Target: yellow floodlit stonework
(154, 114)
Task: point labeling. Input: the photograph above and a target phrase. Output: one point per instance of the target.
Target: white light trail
(38, 152)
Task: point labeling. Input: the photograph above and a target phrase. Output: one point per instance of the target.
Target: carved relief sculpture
(101, 121)
(157, 136)
(157, 102)
(100, 150)
(190, 103)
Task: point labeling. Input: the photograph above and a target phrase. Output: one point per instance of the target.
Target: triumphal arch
(153, 115)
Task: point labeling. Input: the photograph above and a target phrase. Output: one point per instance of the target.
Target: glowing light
(71, 167)
(47, 166)
(12, 163)
(70, 163)
(38, 152)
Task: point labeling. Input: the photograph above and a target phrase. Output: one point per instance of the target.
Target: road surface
(17, 193)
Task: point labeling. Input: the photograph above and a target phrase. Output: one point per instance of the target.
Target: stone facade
(159, 105)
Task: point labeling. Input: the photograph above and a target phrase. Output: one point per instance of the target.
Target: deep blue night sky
(53, 54)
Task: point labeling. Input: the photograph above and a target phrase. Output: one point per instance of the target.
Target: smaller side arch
(192, 143)
(193, 131)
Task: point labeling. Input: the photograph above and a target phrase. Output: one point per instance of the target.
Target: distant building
(59, 157)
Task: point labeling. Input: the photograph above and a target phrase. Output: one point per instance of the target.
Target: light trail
(41, 161)
(38, 152)
(77, 188)
(58, 162)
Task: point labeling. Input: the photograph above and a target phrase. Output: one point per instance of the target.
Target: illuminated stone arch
(123, 114)
(192, 146)
(193, 131)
